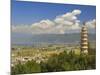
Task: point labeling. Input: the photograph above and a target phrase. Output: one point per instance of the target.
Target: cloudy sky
(46, 18)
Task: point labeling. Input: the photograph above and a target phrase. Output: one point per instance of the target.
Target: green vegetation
(56, 63)
(29, 67)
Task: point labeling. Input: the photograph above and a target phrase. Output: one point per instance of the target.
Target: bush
(61, 62)
(28, 67)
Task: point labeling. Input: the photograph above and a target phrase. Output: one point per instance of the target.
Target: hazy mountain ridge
(49, 38)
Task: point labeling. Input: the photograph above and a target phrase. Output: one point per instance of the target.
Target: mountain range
(29, 39)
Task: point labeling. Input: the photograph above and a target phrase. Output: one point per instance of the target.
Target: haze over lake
(29, 39)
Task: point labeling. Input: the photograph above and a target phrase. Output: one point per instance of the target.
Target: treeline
(56, 63)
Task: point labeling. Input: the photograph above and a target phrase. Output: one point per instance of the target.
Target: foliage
(28, 67)
(61, 62)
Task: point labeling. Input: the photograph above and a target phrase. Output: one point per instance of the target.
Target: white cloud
(71, 16)
(91, 24)
(66, 23)
(21, 29)
(44, 24)
(76, 12)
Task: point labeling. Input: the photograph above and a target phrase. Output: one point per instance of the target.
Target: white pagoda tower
(84, 39)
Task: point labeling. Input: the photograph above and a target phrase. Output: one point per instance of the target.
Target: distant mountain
(48, 38)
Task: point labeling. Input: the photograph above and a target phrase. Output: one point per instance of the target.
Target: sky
(35, 17)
